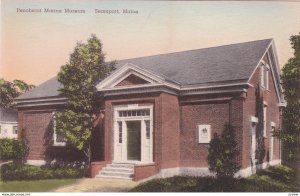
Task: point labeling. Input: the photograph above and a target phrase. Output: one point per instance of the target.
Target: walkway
(98, 185)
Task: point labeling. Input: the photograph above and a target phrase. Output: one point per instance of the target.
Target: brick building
(158, 113)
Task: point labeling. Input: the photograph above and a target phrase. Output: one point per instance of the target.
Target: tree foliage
(259, 108)
(86, 67)
(290, 77)
(10, 90)
(222, 153)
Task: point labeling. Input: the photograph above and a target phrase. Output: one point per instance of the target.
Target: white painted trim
(120, 150)
(254, 119)
(275, 162)
(273, 124)
(55, 143)
(137, 74)
(204, 171)
(195, 171)
(40, 99)
(260, 61)
(41, 104)
(282, 104)
(246, 172)
(9, 122)
(131, 68)
(270, 47)
(215, 86)
(36, 162)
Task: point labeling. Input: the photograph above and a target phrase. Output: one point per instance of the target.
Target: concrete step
(120, 165)
(120, 174)
(122, 170)
(113, 177)
(117, 171)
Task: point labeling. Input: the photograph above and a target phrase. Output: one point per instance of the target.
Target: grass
(34, 185)
(273, 179)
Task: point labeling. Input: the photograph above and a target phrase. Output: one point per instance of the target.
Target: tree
(222, 153)
(290, 133)
(86, 67)
(11, 90)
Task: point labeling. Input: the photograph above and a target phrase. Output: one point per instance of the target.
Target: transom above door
(133, 134)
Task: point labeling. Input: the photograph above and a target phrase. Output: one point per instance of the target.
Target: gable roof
(234, 62)
(208, 65)
(46, 89)
(8, 115)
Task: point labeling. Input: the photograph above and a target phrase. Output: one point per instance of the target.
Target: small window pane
(120, 132)
(134, 113)
(15, 129)
(147, 112)
(147, 123)
(138, 113)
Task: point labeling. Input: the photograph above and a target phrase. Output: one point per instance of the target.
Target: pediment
(130, 76)
(132, 80)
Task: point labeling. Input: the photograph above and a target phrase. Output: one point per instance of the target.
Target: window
(265, 121)
(15, 130)
(58, 139)
(129, 113)
(147, 123)
(204, 135)
(120, 132)
(264, 76)
(0, 129)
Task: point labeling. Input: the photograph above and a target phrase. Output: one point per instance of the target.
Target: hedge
(11, 149)
(14, 171)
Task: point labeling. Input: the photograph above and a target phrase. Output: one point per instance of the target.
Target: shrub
(6, 149)
(222, 153)
(14, 171)
(12, 149)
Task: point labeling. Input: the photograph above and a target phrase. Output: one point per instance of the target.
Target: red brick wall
(165, 126)
(170, 131)
(110, 102)
(216, 113)
(36, 124)
(144, 171)
(270, 98)
(38, 130)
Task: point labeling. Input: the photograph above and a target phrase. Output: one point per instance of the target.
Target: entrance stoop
(117, 171)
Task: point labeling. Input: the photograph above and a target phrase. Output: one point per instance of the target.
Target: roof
(200, 66)
(222, 63)
(46, 89)
(8, 115)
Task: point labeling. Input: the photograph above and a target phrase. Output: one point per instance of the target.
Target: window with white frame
(204, 134)
(264, 75)
(58, 140)
(15, 130)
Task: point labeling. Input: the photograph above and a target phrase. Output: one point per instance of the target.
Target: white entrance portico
(133, 134)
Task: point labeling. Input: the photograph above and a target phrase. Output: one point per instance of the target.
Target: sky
(34, 45)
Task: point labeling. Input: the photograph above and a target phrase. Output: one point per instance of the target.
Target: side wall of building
(273, 116)
(36, 125)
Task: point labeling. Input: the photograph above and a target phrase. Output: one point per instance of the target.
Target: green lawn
(34, 185)
(273, 179)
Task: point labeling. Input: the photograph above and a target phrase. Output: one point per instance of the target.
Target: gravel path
(98, 185)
